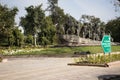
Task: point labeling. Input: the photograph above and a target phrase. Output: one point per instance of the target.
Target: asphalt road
(53, 69)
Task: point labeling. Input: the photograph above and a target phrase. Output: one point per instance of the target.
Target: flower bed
(96, 60)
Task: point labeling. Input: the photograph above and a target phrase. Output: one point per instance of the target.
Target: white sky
(103, 9)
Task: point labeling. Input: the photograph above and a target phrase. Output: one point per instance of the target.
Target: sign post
(106, 45)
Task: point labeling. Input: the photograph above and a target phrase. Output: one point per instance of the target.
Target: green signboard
(106, 44)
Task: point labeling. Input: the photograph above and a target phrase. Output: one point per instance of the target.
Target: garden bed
(96, 60)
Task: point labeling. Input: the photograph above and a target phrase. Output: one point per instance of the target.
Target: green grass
(47, 51)
(115, 48)
(57, 51)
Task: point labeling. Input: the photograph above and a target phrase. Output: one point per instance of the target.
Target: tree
(116, 4)
(47, 34)
(58, 18)
(52, 5)
(57, 15)
(92, 28)
(71, 26)
(18, 37)
(33, 21)
(7, 22)
(28, 39)
(113, 28)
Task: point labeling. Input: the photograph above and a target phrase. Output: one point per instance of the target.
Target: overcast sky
(103, 9)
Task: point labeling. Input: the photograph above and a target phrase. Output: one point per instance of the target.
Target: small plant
(0, 59)
(1, 51)
(98, 59)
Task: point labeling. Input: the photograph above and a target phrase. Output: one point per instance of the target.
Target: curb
(88, 64)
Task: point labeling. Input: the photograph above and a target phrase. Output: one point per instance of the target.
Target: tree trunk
(35, 39)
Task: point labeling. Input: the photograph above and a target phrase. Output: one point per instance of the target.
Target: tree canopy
(7, 26)
(48, 31)
(113, 28)
(32, 22)
(92, 27)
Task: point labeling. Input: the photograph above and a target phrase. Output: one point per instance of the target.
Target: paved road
(51, 69)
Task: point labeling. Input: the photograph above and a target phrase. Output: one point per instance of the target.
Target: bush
(98, 59)
(0, 59)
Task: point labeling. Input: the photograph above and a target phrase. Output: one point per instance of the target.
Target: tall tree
(33, 21)
(93, 27)
(18, 37)
(116, 4)
(113, 28)
(57, 15)
(7, 22)
(52, 5)
(47, 34)
(71, 26)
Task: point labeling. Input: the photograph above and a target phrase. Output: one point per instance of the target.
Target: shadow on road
(109, 77)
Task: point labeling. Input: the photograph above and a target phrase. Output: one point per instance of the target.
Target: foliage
(0, 59)
(33, 21)
(116, 4)
(29, 39)
(113, 28)
(57, 15)
(48, 30)
(92, 27)
(1, 55)
(18, 37)
(98, 59)
(7, 23)
(71, 26)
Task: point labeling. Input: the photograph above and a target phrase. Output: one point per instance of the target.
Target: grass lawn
(57, 51)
